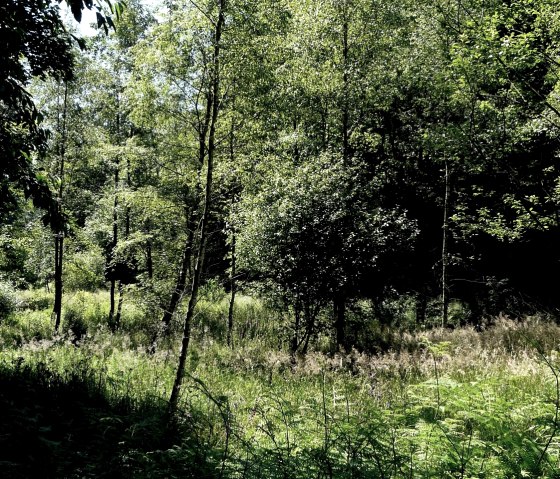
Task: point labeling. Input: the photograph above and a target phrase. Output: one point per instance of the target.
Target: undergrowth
(438, 404)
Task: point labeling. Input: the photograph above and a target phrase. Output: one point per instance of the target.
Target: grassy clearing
(442, 404)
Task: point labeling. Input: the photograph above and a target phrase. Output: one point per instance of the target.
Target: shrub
(74, 322)
(83, 311)
(8, 300)
(35, 299)
(84, 271)
(138, 322)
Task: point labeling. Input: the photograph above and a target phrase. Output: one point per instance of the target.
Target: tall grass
(438, 404)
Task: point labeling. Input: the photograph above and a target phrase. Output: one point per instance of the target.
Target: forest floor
(439, 404)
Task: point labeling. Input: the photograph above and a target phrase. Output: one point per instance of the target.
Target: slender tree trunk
(118, 316)
(233, 272)
(59, 235)
(186, 261)
(345, 91)
(233, 288)
(444, 253)
(127, 209)
(58, 258)
(112, 256)
(340, 302)
(180, 286)
(297, 324)
(340, 321)
(174, 398)
(111, 302)
(119, 306)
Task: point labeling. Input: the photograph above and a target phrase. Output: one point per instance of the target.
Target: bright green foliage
(34, 44)
(506, 76)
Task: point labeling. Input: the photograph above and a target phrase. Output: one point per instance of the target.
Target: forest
(313, 239)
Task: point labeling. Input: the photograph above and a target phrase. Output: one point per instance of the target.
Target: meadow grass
(439, 404)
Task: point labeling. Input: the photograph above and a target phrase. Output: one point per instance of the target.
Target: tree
(214, 99)
(34, 44)
(503, 149)
(59, 235)
(112, 56)
(172, 98)
(315, 234)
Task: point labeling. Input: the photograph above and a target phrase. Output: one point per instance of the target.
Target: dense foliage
(348, 142)
(320, 177)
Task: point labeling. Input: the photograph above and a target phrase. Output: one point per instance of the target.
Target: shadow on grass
(69, 427)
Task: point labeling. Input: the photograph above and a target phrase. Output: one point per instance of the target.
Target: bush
(83, 311)
(35, 299)
(84, 271)
(138, 322)
(8, 300)
(25, 326)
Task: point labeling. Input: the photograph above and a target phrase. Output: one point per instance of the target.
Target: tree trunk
(180, 286)
(58, 255)
(174, 398)
(444, 253)
(340, 302)
(297, 324)
(127, 209)
(340, 322)
(117, 324)
(233, 272)
(345, 87)
(233, 288)
(114, 242)
(111, 302)
(112, 255)
(59, 235)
